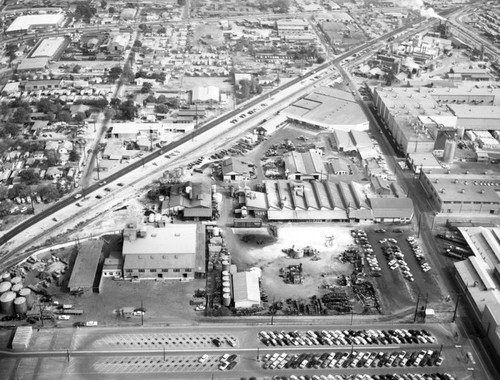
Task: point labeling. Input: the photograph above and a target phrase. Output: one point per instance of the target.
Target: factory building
(83, 275)
(479, 279)
(303, 166)
(49, 47)
(28, 22)
(416, 116)
(246, 289)
(291, 27)
(192, 199)
(328, 108)
(467, 192)
(175, 251)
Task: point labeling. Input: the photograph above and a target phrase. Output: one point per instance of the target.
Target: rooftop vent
(482, 191)
(177, 235)
(462, 191)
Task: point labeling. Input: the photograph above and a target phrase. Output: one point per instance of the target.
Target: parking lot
(345, 337)
(158, 340)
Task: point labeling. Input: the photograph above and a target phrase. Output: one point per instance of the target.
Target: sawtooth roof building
(328, 108)
(479, 279)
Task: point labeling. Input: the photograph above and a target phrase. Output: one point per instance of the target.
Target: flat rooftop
(27, 21)
(328, 107)
(85, 267)
(48, 47)
(466, 111)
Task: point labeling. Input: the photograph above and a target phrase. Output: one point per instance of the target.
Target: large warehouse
(36, 22)
(330, 109)
(467, 192)
(414, 116)
(175, 251)
(49, 47)
(479, 279)
(84, 270)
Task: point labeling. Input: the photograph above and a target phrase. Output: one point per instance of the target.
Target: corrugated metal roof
(246, 289)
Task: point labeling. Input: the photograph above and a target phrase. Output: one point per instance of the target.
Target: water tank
(226, 289)
(16, 288)
(226, 284)
(226, 299)
(216, 231)
(460, 132)
(6, 276)
(7, 303)
(226, 278)
(16, 280)
(225, 265)
(214, 189)
(26, 293)
(20, 305)
(449, 151)
(5, 287)
(225, 273)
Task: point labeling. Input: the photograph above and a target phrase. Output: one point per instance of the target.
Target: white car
(63, 317)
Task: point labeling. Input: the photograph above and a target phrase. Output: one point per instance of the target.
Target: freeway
(204, 128)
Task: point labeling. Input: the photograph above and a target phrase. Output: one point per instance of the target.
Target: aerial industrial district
(273, 189)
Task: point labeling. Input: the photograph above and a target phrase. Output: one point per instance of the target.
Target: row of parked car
(395, 376)
(345, 337)
(371, 259)
(353, 359)
(419, 255)
(395, 258)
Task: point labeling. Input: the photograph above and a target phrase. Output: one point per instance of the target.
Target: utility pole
(416, 309)
(97, 164)
(142, 313)
(456, 309)
(258, 354)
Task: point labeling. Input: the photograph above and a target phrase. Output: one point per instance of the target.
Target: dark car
(231, 366)
(216, 342)
(232, 357)
(79, 324)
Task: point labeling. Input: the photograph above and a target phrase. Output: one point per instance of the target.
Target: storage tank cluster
(226, 282)
(14, 297)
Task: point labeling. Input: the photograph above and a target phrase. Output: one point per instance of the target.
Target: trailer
(459, 250)
(454, 255)
(453, 239)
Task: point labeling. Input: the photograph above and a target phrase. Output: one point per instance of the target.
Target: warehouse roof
(171, 239)
(48, 47)
(85, 267)
(205, 94)
(33, 64)
(306, 163)
(246, 288)
(392, 207)
(27, 21)
(329, 108)
(466, 111)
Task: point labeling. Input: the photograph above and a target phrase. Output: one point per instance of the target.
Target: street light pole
(456, 309)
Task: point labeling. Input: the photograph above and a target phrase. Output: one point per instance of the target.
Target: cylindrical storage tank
(226, 279)
(16, 288)
(7, 303)
(225, 265)
(5, 287)
(16, 280)
(214, 189)
(226, 284)
(225, 273)
(20, 305)
(216, 231)
(460, 132)
(6, 276)
(449, 151)
(226, 299)
(26, 293)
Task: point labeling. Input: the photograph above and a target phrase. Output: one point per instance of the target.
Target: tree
(143, 27)
(172, 103)
(162, 30)
(181, 3)
(49, 193)
(111, 10)
(137, 43)
(161, 99)
(146, 87)
(52, 157)
(320, 60)
(115, 103)
(114, 73)
(12, 129)
(104, 3)
(128, 110)
(74, 155)
(390, 77)
(85, 11)
(19, 190)
(76, 69)
(150, 99)
(29, 177)
(161, 108)
(21, 115)
(64, 116)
